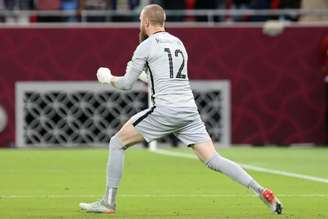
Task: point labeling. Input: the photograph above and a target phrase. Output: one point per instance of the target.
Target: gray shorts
(158, 122)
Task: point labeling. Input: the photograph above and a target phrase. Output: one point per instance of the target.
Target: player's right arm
(134, 69)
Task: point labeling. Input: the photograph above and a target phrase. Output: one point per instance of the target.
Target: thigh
(129, 135)
(193, 132)
(154, 123)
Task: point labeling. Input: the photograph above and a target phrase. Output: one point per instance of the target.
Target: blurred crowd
(128, 5)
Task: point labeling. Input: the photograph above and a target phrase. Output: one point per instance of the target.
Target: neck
(153, 30)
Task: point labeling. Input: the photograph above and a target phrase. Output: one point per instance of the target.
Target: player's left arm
(134, 70)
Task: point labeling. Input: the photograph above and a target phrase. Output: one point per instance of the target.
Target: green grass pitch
(50, 183)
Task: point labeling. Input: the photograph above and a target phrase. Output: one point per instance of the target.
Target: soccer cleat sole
(278, 209)
(103, 210)
(109, 212)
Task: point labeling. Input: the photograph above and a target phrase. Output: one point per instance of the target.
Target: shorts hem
(143, 134)
(189, 145)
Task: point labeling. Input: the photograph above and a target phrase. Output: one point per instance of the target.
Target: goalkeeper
(164, 58)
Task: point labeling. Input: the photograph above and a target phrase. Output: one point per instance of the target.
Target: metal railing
(209, 14)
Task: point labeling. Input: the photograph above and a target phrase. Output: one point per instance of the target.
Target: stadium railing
(211, 15)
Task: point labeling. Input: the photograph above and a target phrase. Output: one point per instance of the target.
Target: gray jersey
(165, 59)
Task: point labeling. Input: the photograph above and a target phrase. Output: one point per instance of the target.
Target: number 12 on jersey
(176, 54)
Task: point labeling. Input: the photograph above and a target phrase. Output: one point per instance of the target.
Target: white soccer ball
(3, 119)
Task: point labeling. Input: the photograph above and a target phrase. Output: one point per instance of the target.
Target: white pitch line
(249, 167)
(63, 196)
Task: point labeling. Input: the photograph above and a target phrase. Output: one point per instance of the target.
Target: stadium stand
(177, 11)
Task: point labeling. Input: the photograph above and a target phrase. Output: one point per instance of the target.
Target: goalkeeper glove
(104, 75)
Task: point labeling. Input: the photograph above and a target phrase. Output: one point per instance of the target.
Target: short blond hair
(155, 13)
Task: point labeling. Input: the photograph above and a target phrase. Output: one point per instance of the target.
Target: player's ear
(147, 22)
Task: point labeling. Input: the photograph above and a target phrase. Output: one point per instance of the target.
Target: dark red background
(278, 91)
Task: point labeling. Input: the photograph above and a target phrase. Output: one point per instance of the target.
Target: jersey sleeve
(135, 66)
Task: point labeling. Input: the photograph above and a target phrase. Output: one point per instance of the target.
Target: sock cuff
(115, 143)
(206, 162)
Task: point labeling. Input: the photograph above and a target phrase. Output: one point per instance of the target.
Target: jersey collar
(161, 31)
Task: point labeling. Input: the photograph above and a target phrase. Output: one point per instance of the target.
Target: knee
(214, 162)
(116, 144)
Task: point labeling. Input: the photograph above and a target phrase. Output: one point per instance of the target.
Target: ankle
(254, 186)
(110, 197)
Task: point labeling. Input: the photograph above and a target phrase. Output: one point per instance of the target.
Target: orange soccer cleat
(271, 200)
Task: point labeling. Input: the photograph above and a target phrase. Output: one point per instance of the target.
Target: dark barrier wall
(277, 87)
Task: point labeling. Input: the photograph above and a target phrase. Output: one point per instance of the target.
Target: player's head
(152, 16)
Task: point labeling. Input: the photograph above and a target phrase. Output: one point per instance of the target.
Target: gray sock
(110, 197)
(257, 188)
(233, 170)
(114, 170)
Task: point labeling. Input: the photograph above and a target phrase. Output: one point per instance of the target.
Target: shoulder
(176, 40)
(174, 37)
(146, 44)
(143, 48)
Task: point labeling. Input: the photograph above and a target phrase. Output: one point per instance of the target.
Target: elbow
(123, 84)
(126, 88)
(127, 85)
